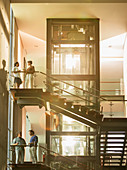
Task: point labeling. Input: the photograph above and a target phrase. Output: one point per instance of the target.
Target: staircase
(113, 143)
(82, 113)
(85, 110)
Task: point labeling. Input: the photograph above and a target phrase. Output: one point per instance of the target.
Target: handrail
(21, 145)
(71, 94)
(56, 154)
(80, 164)
(78, 97)
(56, 79)
(98, 111)
(73, 86)
(81, 88)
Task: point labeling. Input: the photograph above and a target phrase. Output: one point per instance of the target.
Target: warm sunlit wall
(4, 32)
(37, 118)
(19, 52)
(4, 54)
(36, 50)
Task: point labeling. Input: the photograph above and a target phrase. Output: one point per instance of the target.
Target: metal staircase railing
(65, 162)
(78, 88)
(51, 159)
(88, 93)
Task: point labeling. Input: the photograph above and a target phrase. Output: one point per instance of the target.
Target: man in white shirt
(29, 75)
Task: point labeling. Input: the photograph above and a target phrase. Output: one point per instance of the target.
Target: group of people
(29, 75)
(20, 144)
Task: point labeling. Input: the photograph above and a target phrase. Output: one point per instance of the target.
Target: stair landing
(29, 166)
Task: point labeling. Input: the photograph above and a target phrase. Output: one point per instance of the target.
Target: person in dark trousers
(17, 79)
(33, 146)
(19, 144)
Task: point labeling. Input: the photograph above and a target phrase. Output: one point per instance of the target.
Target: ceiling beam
(68, 1)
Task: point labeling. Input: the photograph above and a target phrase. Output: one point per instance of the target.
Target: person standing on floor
(33, 146)
(29, 75)
(19, 144)
(16, 71)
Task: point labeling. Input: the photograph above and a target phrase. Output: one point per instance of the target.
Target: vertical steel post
(10, 69)
(98, 165)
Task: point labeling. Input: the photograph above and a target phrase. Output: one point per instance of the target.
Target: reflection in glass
(73, 59)
(77, 88)
(59, 122)
(73, 145)
(85, 31)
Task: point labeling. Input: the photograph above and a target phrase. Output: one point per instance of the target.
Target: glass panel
(73, 59)
(114, 109)
(76, 91)
(68, 31)
(69, 124)
(73, 145)
(83, 85)
(61, 123)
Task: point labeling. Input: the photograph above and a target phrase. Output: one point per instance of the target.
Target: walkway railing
(87, 97)
(64, 162)
(52, 84)
(54, 160)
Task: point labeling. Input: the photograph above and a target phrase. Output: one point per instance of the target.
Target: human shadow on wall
(3, 77)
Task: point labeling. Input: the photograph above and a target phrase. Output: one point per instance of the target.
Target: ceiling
(68, 1)
(31, 19)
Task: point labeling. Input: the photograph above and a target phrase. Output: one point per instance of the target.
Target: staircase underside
(28, 97)
(114, 124)
(114, 97)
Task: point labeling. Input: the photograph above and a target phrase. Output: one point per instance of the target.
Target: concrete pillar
(17, 119)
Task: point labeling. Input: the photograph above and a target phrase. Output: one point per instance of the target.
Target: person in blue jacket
(33, 146)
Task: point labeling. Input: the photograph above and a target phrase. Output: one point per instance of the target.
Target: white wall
(37, 119)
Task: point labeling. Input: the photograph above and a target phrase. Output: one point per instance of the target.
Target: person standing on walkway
(19, 144)
(33, 146)
(16, 71)
(29, 75)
